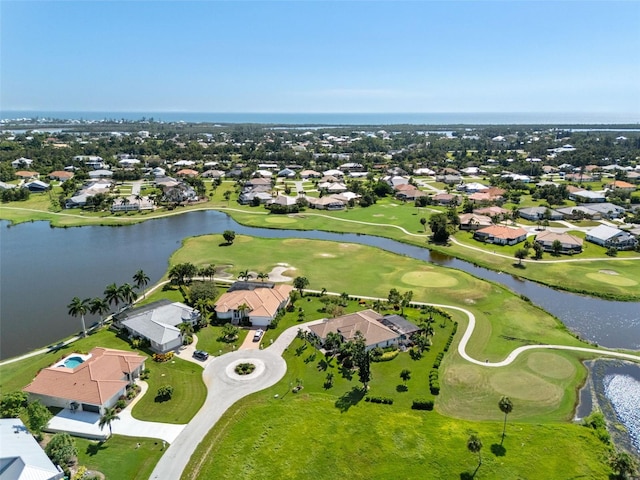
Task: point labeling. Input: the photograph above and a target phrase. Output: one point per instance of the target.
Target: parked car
(200, 355)
(258, 335)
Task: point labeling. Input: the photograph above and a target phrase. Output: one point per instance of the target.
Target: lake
(42, 268)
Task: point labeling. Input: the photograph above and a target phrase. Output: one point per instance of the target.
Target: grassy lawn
(188, 394)
(333, 433)
(209, 340)
(119, 458)
(186, 378)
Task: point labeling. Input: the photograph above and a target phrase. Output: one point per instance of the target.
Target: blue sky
(325, 56)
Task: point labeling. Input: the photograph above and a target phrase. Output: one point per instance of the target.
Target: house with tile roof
(473, 221)
(21, 457)
(376, 331)
(158, 322)
(501, 235)
(569, 243)
(258, 302)
(91, 382)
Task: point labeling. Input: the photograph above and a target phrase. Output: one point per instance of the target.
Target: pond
(42, 268)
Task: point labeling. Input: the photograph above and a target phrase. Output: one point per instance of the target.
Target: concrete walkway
(86, 424)
(225, 388)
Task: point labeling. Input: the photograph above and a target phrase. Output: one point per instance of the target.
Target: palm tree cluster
(113, 295)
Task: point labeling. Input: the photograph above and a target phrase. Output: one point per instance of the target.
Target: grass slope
(119, 457)
(334, 434)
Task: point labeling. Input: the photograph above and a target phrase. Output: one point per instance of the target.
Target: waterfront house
(158, 322)
(90, 383)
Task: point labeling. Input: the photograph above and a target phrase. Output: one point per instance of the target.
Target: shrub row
(438, 360)
(382, 400)
(434, 382)
(386, 356)
(450, 339)
(422, 405)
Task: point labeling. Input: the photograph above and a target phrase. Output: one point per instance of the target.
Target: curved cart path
(225, 388)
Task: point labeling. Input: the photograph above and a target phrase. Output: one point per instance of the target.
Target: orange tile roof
(95, 381)
(621, 184)
(502, 231)
(366, 322)
(262, 302)
(26, 173)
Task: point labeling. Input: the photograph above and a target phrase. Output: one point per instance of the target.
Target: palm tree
(127, 293)
(202, 306)
(186, 329)
(377, 305)
(263, 276)
(113, 295)
(506, 406)
(475, 445)
(79, 307)
(141, 279)
(244, 274)
(107, 418)
(98, 306)
(242, 310)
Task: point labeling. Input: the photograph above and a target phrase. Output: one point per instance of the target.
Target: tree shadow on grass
(310, 358)
(323, 364)
(346, 373)
(95, 448)
(402, 388)
(498, 450)
(161, 398)
(349, 399)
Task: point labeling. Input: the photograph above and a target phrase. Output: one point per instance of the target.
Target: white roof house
(21, 458)
(21, 162)
(611, 237)
(128, 162)
(158, 322)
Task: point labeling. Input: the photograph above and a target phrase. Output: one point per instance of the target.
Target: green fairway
(120, 457)
(503, 320)
(334, 433)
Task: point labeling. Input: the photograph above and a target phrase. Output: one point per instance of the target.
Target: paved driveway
(224, 389)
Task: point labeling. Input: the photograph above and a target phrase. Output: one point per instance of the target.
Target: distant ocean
(344, 118)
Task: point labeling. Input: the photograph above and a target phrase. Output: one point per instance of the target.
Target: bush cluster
(162, 357)
(450, 339)
(381, 400)
(434, 382)
(422, 404)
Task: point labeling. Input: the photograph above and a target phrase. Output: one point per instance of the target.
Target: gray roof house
(158, 322)
(607, 210)
(21, 456)
(611, 237)
(538, 213)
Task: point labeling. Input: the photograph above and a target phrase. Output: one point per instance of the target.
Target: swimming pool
(72, 362)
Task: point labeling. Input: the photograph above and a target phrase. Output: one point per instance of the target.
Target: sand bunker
(276, 274)
(608, 272)
(612, 279)
(325, 255)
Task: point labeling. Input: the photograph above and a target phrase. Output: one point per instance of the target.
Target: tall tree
(520, 254)
(439, 225)
(229, 236)
(406, 300)
(127, 293)
(141, 279)
(107, 419)
(423, 222)
(98, 306)
(474, 445)
(78, 308)
(506, 406)
(112, 295)
(300, 283)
